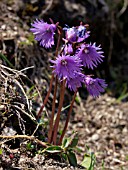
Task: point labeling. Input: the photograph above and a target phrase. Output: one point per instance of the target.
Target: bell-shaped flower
(71, 34)
(95, 86)
(82, 33)
(66, 66)
(44, 33)
(74, 83)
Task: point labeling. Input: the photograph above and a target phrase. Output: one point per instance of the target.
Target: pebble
(95, 137)
(3, 27)
(80, 125)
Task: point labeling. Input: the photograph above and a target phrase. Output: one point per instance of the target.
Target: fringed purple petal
(74, 83)
(90, 55)
(95, 86)
(66, 66)
(44, 33)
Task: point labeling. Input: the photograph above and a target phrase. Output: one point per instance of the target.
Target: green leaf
(93, 160)
(30, 146)
(1, 151)
(64, 108)
(30, 89)
(34, 94)
(70, 142)
(126, 157)
(74, 141)
(89, 161)
(77, 100)
(31, 38)
(78, 149)
(5, 59)
(53, 149)
(102, 164)
(122, 97)
(86, 161)
(64, 156)
(66, 142)
(72, 158)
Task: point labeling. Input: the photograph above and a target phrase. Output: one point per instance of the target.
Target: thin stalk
(52, 115)
(58, 41)
(56, 125)
(67, 120)
(46, 98)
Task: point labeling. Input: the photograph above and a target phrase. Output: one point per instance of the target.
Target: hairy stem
(67, 120)
(52, 115)
(56, 125)
(46, 98)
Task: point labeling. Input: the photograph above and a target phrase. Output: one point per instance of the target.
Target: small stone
(3, 27)
(80, 125)
(95, 137)
(21, 160)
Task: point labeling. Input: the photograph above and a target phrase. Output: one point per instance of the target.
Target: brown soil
(102, 124)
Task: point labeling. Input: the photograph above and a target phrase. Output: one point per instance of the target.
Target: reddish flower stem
(56, 125)
(52, 115)
(67, 120)
(50, 88)
(58, 41)
(46, 98)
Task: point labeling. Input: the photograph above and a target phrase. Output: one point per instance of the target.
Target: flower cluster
(74, 55)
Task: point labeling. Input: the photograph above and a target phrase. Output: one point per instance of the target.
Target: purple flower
(66, 66)
(68, 49)
(74, 83)
(76, 34)
(44, 33)
(71, 34)
(90, 55)
(82, 33)
(95, 86)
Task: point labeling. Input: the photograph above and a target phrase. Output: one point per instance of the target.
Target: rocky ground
(102, 125)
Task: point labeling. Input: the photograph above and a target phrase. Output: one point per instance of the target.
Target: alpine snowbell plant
(67, 67)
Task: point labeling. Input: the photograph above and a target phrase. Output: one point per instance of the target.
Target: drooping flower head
(82, 33)
(71, 34)
(76, 34)
(44, 33)
(66, 66)
(90, 55)
(95, 86)
(74, 83)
